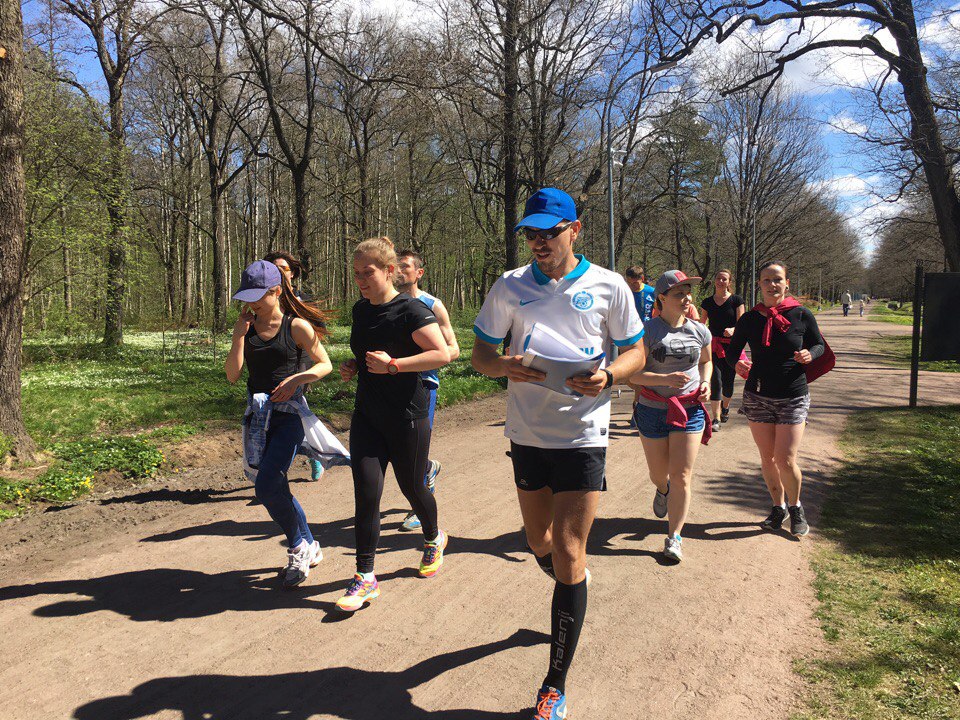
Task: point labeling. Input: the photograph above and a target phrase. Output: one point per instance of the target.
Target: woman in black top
(720, 313)
(783, 338)
(393, 338)
(271, 336)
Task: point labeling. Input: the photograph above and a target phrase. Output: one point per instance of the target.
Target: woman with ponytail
(787, 352)
(394, 338)
(272, 336)
(291, 269)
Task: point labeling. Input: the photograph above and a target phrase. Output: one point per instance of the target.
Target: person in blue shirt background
(642, 293)
(644, 297)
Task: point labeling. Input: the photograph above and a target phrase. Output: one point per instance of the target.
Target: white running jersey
(592, 308)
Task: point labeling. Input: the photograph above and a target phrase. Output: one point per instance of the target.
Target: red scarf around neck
(775, 319)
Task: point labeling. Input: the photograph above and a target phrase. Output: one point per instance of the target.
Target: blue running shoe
(551, 704)
(410, 522)
(316, 470)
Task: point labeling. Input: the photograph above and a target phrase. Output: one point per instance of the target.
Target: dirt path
(163, 603)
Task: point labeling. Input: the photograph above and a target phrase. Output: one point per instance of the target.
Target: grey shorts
(779, 411)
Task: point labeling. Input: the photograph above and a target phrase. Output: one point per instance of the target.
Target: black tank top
(272, 361)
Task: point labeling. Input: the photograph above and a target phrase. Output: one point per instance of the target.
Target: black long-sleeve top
(775, 373)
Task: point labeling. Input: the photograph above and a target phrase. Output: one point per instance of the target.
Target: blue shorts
(652, 422)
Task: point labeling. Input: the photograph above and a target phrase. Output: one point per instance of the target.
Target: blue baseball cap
(547, 208)
(256, 280)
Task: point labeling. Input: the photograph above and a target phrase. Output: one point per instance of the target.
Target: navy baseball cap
(256, 280)
(547, 208)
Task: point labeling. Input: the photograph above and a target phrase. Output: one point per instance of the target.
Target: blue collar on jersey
(579, 270)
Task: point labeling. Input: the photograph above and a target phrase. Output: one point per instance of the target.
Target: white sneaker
(299, 562)
(672, 549)
(660, 502)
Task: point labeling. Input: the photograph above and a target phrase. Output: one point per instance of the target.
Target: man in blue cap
(558, 442)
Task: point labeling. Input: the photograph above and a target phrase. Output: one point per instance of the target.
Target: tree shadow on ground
(341, 692)
(168, 594)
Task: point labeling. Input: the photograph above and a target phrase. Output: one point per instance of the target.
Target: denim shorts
(652, 422)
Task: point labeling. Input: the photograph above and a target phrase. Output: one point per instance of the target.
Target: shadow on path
(167, 594)
(341, 692)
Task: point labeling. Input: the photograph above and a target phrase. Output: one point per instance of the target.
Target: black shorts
(560, 469)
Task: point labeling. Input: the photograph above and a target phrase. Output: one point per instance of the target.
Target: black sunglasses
(548, 234)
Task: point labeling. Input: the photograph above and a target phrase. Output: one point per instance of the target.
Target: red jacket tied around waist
(677, 409)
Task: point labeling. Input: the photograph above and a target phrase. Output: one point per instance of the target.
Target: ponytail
(292, 305)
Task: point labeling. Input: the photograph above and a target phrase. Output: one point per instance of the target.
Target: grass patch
(159, 388)
(897, 349)
(888, 577)
(75, 467)
(878, 311)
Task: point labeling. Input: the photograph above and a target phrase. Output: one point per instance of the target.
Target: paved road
(163, 603)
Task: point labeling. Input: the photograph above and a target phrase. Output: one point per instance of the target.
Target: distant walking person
(411, 273)
(558, 442)
(292, 269)
(861, 307)
(720, 313)
(784, 339)
(671, 417)
(847, 302)
(270, 337)
(393, 338)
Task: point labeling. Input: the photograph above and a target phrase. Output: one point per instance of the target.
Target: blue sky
(827, 80)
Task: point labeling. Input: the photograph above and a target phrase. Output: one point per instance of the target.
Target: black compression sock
(546, 564)
(569, 609)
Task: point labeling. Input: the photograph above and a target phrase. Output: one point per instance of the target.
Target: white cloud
(844, 122)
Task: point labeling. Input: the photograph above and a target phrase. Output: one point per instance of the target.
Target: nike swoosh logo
(527, 302)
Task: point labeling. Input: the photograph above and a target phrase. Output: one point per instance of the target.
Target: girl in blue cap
(271, 336)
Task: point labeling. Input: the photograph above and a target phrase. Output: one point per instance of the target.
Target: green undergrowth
(74, 467)
(898, 348)
(878, 311)
(888, 575)
(161, 388)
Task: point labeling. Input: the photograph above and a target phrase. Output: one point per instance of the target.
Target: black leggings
(405, 444)
(723, 375)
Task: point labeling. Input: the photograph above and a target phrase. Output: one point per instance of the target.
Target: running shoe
(433, 556)
(410, 522)
(660, 502)
(672, 549)
(316, 470)
(299, 562)
(433, 469)
(774, 521)
(798, 521)
(359, 591)
(715, 426)
(551, 704)
(724, 414)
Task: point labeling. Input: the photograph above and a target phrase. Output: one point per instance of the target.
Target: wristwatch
(609, 382)
(392, 367)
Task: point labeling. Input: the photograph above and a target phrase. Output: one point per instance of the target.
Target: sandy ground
(162, 601)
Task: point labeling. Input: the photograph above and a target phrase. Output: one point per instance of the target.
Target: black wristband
(609, 382)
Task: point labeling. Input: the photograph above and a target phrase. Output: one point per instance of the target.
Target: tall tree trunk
(302, 218)
(116, 212)
(511, 93)
(216, 235)
(927, 141)
(12, 227)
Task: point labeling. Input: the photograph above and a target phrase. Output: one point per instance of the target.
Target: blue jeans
(272, 487)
